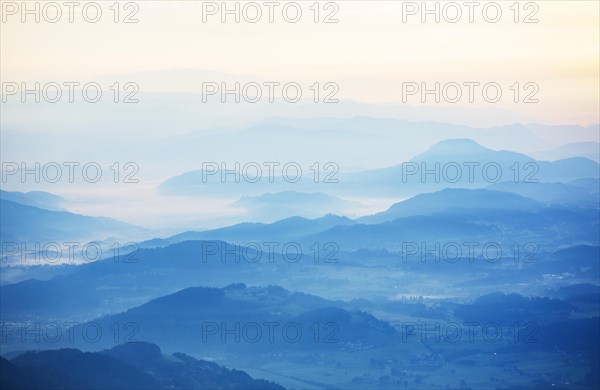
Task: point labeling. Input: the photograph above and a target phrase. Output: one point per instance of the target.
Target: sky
(370, 52)
(373, 51)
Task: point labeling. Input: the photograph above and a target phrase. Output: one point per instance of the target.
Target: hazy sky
(369, 53)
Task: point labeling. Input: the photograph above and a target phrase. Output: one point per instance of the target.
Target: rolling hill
(132, 365)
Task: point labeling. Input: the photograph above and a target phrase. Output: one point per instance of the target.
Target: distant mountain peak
(334, 217)
(467, 148)
(452, 198)
(457, 145)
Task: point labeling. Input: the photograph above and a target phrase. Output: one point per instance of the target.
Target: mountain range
(132, 365)
(21, 223)
(455, 163)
